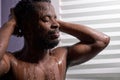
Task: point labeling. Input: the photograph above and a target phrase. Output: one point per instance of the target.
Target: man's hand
(12, 17)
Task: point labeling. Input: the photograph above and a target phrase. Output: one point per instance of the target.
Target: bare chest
(50, 71)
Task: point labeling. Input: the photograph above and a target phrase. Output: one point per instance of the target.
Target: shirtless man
(39, 59)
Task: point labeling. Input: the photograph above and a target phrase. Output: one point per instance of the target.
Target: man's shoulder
(59, 52)
(6, 61)
(9, 57)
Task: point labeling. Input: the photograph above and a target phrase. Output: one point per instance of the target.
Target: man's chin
(46, 43)
(52, 44)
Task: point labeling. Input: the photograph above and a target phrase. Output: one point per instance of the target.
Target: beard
(45, 43)
(50, 44)
(46, 40)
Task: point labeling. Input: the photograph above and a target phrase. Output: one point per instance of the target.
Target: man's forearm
(83, 33)
(5, 34)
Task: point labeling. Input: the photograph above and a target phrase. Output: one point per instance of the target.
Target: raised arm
(91, 42)
(5, 34)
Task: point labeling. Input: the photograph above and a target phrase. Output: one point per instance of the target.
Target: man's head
(36, 21)
(23, 11)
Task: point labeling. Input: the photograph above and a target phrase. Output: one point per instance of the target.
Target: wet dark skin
(34, 62)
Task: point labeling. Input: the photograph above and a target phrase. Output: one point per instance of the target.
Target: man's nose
(55, 25)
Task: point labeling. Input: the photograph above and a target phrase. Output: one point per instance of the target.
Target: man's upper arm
(82, 52)
(4, 65)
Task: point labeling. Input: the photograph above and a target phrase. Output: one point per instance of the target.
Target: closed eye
(45, 19)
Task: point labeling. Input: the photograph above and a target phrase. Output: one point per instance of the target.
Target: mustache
(53, 31)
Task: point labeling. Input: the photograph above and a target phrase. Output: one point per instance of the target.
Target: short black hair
(22, 11)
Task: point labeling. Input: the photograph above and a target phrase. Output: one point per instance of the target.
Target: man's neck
(30, 54)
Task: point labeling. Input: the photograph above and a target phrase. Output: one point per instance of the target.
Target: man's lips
(55, 35)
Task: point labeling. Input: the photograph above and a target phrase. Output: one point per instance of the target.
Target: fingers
(11, 12)
(12, 16)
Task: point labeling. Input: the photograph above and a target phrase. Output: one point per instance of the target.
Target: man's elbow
(104, 42)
